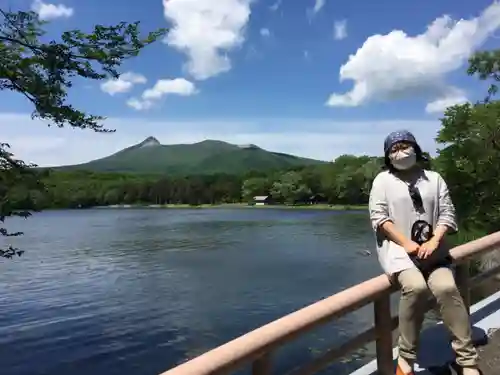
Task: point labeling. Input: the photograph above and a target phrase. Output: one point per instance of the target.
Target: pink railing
(256, 347)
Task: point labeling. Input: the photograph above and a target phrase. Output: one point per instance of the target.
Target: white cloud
(316, 138)
(318, 5)
(340, 30)
(163, 87)
(47, 12)
(139, 105)
(178, 86)
(275, 6)
(265, 32)
(453, 97)
(396, 65)
(252, 53)
(122, 84)
(206, 30)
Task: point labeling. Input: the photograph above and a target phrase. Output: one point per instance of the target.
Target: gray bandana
(398, 136)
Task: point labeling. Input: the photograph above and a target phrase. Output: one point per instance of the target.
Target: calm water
(138, 291)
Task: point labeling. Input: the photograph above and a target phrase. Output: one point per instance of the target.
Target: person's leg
(411, 314)
(455, 316)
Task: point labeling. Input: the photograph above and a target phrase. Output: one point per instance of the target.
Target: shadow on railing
(256, 347)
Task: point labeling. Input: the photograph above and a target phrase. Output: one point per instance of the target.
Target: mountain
(207, 157)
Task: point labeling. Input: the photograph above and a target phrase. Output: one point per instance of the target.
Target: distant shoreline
(242, 206)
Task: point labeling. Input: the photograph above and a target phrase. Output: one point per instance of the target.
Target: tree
(290, 188)
(44, 71)
(255, 186)
(469, 162)
(486, 66)
(15, 179)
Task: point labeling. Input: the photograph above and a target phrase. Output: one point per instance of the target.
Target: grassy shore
(246, 206)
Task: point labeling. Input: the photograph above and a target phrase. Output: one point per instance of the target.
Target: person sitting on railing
(411, 211)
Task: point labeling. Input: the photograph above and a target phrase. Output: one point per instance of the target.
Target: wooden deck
(436, 353)
(490, 354)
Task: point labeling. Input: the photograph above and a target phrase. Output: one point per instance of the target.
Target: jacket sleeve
(378, 206)
(446, 209)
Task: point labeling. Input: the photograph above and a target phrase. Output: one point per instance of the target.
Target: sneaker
(400, 372)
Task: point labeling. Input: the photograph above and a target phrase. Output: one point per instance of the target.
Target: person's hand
(427, 248)
(411, 247)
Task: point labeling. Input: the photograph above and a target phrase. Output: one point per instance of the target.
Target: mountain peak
(202, 158)
(149, 141)
(249, 146)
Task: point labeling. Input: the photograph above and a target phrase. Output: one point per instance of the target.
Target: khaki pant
(441, 283)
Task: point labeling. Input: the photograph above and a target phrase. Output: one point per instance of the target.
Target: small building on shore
(317, 199)
(261, 200)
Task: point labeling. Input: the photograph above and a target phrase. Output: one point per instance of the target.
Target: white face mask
(403, 159)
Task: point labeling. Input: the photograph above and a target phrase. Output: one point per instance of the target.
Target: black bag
(421, 231)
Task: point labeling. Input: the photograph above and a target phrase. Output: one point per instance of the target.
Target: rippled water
(135, 292)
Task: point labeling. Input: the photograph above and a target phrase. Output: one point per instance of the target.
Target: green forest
(345, 181)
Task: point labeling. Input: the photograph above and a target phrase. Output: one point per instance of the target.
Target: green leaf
(43, 71)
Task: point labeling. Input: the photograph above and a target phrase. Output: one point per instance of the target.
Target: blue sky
(310, 77)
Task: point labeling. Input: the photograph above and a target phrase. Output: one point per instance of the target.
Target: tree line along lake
(137, 291)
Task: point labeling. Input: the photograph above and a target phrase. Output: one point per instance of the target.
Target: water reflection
(138, 291)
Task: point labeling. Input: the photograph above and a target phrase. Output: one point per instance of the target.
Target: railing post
(463, 276)
(383, 327)
(262, 365)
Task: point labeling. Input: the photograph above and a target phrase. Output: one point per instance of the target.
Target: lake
(137, 291)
